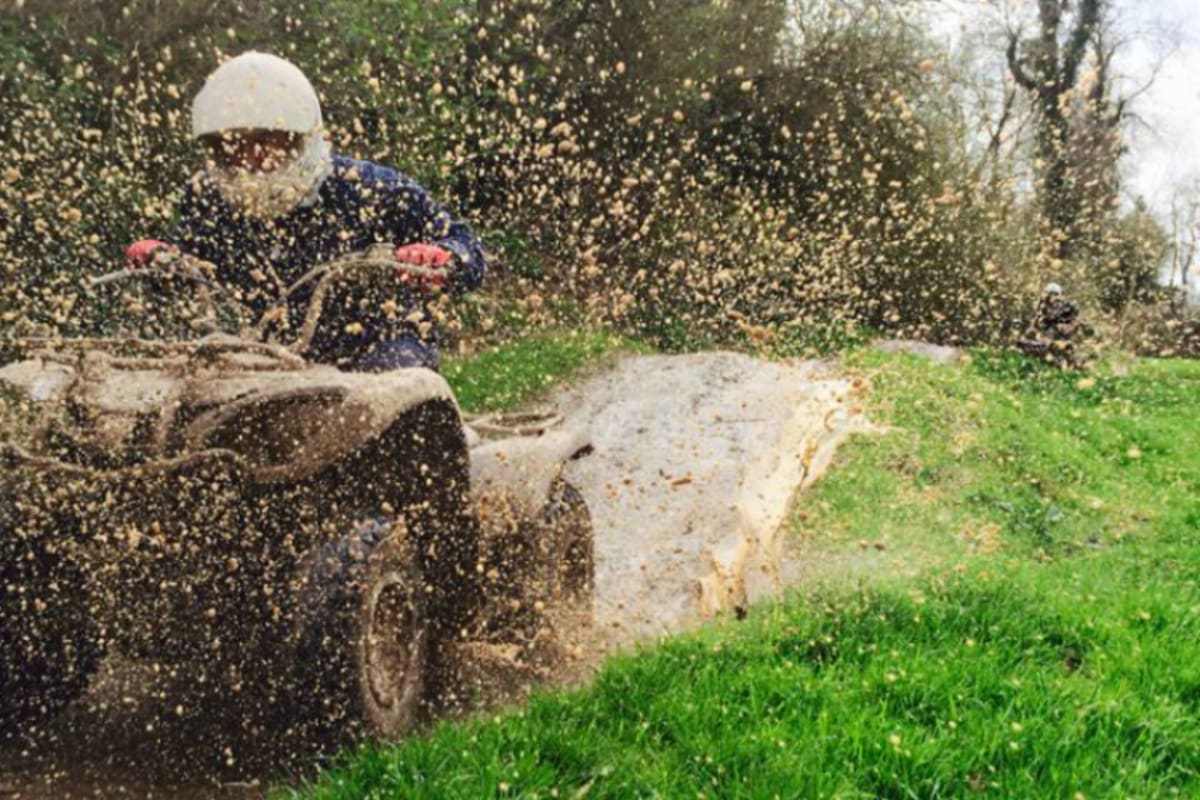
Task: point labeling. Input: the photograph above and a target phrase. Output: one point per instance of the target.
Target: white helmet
(1053, 288)
(256, 91)
(259, 91)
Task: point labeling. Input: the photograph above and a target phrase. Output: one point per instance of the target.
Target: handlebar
(373, 257)
(191, 268)
(378, 258)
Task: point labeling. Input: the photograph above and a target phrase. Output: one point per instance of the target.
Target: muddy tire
(49, 643)
(543, 565)
(361, 637)
(567, 516)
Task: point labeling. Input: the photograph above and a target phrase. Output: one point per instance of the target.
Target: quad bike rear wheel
(362, 635)
(539, 578)
(541, 566)
(568, 516)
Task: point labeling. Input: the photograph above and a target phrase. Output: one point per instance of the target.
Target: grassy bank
(517, 372)
(1004, 602)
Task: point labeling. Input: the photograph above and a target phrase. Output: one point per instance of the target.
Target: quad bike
(328, 543)
(1053, 339)
(1060, 353)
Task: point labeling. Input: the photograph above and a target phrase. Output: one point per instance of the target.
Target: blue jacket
(359, 204)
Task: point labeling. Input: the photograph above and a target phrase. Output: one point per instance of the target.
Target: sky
(1167, 150)
(1163, 34)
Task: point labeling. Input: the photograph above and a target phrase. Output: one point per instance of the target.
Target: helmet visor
(252, 150)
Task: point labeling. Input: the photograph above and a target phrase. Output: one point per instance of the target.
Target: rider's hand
(433, 261)
(140, 255)
(423, 255)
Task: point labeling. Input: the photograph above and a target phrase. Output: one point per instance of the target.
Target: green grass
(1006, 605)
(517, 372)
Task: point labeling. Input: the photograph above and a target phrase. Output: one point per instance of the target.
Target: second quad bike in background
(1054, 336)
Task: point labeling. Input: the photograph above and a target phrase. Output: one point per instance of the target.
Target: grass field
(515, 373)
(1006, 606)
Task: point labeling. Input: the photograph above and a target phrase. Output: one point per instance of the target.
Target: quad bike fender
(511, 478)
(287, 424)
(37, 380)
(291, 429)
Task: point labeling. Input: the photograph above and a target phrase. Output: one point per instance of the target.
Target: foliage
(1130, 271)
(801, 165)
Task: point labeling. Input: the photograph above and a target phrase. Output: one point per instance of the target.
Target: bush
(800, 167)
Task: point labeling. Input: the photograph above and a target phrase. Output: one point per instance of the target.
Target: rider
(1056, 316)
(272, 201)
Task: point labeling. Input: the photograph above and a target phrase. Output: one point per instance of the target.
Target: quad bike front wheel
(49, 641)
(362, 635)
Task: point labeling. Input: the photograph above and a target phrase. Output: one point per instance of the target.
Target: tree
(1184, 235)
(1048, 67)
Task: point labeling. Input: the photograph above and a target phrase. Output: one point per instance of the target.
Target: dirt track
(696, 462)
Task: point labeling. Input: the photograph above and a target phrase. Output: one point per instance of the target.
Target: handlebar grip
(110, 277)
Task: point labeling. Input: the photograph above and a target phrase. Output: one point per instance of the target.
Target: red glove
(432, 260)
(140, 255)
(423, 255)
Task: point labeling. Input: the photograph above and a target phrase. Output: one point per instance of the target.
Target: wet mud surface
(697, 460)
(138, 733)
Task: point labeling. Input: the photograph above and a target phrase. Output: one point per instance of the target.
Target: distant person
(1057, 317)
(1052, 332)
(272, 201)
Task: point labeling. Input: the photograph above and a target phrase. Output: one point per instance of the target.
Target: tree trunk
(1049, 72)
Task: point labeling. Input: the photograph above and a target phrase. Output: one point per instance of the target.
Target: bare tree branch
(1085, 26)
(1014, 63)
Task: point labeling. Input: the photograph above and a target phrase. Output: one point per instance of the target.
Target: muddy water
(696, 461)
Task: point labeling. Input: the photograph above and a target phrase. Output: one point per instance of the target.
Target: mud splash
(138, 733)
(697, 459)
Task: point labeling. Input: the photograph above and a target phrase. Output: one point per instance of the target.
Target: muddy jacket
(359, 204)
(1057, 318)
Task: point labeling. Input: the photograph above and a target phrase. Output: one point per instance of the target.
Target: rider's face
(253, 150)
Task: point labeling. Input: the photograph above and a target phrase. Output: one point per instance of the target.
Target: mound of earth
(697, 459)
(938, 353)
